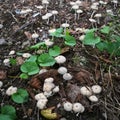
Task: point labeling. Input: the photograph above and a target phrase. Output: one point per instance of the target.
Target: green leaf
(55, 51)
(37, 46)
(29, 67)
(90, 39)
(57, 33)
(5, 117)
(24, 76)
(9, 111)
(102, 46)
(70, 40)
(46, 60)
(13, 61)
(105, 29)
(20, 96)
(32, 58)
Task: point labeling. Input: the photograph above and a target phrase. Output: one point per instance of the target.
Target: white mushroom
(43, 71)
(35, 35)
(1, 84)
(48, 86)
(54, 12)
(42, 103)
(40, 96)
(78, 12)
(85, 90)
(67, 76)
(48, 94)
(48, 42)
(96, 89)
(78, 108)
(26, 55)
(49, 80)
(67, 106)
(62, 70)
(65, 25)
(6, 62)
(56, 89)
(75, 7)
(60, 59)
(51, 31)
(45, 3)
(39, 7)
(93, 98)
(93, 21)
(98, 15)
(12, 52)
(11, 90)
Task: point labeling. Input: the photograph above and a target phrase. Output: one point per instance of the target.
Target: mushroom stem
(92, 14)
(75, 15)
(54, 18)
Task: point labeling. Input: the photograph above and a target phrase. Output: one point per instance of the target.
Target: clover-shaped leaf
(55, 51)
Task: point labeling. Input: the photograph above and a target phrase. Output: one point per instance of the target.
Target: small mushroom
(75, 7)
(85, 90)
(40, 96)
(1, 84)
(93, 98)
(48, 86)
(67, 106)
(26, 55)
(62, 70)
(60, 59)
(56, 89)
(65, 25)
(39, 7)
(98, 15)
(45, 3)
(78, 108)
(96, 89)
(49, 80)
(11, 90)
(79, 11)
(67, 76)
(54, 12)
(48, 42)
(42, 103)
(43, 71)
(12, 52)
(6, 62)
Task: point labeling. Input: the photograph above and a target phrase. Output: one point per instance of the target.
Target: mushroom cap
(26, 55)
(48, 94)
(45, 2)
(48, 86)
(12, 52)
(49, 80)
(6, 61)
(51, 30)
(65, 25)
(48, 14)
(54, 12)
(75, 7)
(45, 17)
(43, 71)
(35, 35)
(39, 7)
(11, 90)
(67, 106)
(78, 107)
(98, 15)
(79, 11)
(48, 42)
(1, 84)
(96, 89)
(67, 76)
(60, 59)
(92, 20)
(72, 3)
(62, 70)
(40, 96)
(93, 98)
(85, 90)
(42, 103)
(56, 89)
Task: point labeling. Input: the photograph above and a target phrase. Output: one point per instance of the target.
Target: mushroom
(48, 15)
(48, 43)
(48, 94)
(49, 80)
(11, 90)
(75, 7)
(78, 12)
(56, 89)
(60, 59)
(62, 70)
(93, 98)
(67, 76)
(26, 55)
(85, 90)
(43, 71)
(65, 25)
(45, 17)
(12, 52)
(45, 3)
(98, 15)
(35, 36)
(6, 62)
(115, 3)
(42, 103)
(40, 96)
(39, 7)
(67, 106)
(93, 21)
(1, 84)
(54, 12)
(96, 89)
(48, 86)
(78, 108)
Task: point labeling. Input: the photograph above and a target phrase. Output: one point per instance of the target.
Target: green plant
(54, 51)
(20, 96)
(46, 60)
(8, 112)
(107, 41)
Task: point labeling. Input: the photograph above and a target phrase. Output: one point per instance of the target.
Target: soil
(87, 65)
